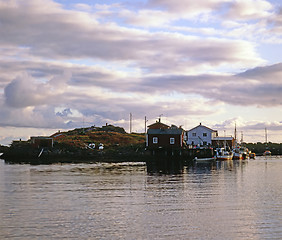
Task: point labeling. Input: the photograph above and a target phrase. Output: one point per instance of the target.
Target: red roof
(158, 125)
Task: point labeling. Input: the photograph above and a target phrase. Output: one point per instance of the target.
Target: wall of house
(164, 140)
(199, 131)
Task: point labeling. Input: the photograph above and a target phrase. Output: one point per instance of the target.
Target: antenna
(83, 124)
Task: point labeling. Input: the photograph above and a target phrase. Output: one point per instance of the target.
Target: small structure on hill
(41, 142)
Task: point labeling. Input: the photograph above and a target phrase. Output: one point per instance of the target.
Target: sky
(71, 64)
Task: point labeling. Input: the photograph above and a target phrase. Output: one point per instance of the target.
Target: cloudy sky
(67, 64)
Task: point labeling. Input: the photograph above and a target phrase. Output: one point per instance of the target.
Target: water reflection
(165, 166)
(168, 166)
(174, 200)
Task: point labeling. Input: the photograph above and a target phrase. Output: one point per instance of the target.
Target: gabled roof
(200, 125)
(158, 125)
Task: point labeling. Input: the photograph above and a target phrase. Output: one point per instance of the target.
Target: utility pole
(130, 122)
(146, 124)
(265, 135)
(83, 124)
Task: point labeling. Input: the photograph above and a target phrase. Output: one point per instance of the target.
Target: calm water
(227, 200)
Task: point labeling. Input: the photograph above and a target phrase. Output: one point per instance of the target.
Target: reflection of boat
(252, 155)
(207, 159)
(223, 154)
(267, 153)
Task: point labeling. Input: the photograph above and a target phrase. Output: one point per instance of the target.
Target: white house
(200, 136)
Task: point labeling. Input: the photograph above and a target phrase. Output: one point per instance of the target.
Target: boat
(223, 154)
(252, 155)
(237, 155)
(267, 153)
(245, 152)
(239, 152)
(204, 159)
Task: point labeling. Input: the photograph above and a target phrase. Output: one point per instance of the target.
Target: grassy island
(107, 143)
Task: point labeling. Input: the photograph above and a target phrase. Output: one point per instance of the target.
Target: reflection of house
(160, 135)
(223, 141)
(200, 135)
(41, 141)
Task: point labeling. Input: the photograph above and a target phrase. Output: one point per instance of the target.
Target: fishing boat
(267, 153)
(237, 155)
(252, 155)
(223, 154)
(245, 152)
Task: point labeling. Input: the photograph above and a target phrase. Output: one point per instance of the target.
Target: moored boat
(237, 155)
(223, 154)
(204, 159)
(245, 152)
(252, 155)
(267, 153)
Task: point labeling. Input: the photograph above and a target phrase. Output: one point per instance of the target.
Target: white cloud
(249, 9)
(189, 7)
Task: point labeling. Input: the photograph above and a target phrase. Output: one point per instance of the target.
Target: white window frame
(155, 140)
(205, 134)
(194, 134)
(172, 140)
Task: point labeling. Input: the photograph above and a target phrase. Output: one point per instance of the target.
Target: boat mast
(224, 140)
(235, 135)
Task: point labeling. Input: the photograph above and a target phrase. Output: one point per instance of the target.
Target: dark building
(40, 142)
(160, 135)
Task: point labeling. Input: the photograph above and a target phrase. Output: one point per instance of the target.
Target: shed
(41, 141)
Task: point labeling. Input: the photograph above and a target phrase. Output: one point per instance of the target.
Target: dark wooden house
(160, 135)
(41, 141)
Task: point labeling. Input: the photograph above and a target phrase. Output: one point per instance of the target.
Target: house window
(194, 134)
(171, 140)
(155, 140)
(204, 143)
(205, 134)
